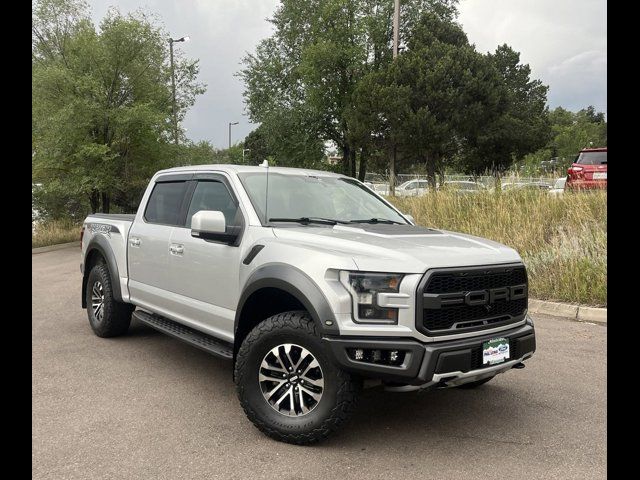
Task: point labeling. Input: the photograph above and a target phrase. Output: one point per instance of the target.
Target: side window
(165, 202)
(213, 195)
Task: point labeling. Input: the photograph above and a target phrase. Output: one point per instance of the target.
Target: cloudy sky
(564, 41)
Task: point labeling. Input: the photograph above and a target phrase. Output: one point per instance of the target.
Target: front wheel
(107, 316)
(287, 384)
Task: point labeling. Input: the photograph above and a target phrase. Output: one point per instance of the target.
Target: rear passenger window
(165, 202)
(212, 195)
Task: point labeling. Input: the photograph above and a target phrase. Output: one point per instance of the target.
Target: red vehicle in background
(589, 170)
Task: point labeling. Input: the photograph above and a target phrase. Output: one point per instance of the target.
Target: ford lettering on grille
(475, 298)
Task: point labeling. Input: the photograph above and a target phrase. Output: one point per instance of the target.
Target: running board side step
(198, 339)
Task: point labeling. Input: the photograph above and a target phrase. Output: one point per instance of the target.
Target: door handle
(176, 249)
(135, 242)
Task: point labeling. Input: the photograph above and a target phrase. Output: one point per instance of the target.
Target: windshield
(300, 196)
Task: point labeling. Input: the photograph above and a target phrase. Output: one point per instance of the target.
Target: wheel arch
(277, 288)
(98, 249)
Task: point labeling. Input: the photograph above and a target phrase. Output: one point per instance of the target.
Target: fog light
(359, 354)
(393, 355)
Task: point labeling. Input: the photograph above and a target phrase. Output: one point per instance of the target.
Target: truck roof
(250, 168)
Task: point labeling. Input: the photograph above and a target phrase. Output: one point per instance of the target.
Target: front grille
(446, 308)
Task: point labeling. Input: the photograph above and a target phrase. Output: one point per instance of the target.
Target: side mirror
(409, 217)
(207, 221)
(211, 225)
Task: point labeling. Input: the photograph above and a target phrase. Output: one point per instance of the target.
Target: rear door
(148, 242)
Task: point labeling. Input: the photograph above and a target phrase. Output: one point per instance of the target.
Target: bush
(54, 231)
(562, 240)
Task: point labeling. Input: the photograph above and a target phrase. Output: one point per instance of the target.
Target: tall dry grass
(53, 232)
(562, 240)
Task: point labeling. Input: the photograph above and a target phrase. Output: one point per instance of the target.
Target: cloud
(563, 41)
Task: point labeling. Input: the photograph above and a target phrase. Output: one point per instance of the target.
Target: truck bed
(127, 217)
(114, 230)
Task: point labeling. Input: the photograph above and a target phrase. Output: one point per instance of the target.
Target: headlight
(364, 289)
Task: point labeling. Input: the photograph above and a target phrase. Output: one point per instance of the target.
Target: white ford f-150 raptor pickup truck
(309, 282)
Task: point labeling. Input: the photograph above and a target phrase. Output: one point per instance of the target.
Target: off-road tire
(116, 316)
(340, 388)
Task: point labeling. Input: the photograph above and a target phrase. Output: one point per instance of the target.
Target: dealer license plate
(495, 351)
(600, 175)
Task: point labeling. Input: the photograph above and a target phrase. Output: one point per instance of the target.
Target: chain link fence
(488, 181)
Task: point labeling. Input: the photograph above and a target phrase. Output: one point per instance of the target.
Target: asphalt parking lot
(149, 406)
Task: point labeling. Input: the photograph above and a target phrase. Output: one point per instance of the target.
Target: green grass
(562, 240)
(54, 232)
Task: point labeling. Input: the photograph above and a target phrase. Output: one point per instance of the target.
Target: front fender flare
(299, 285)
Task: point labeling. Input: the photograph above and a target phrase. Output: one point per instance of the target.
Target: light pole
(174, 112)
(245, 150)
(231, 123)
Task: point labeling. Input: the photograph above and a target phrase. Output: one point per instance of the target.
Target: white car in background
(558, 187)
(412, 188)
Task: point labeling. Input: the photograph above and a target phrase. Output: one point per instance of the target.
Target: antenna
(265, 164)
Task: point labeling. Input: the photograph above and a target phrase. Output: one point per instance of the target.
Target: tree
(309, 69)
(101, 102)
(571, 132)
(523, 125)
(257, 144)
(432, 97)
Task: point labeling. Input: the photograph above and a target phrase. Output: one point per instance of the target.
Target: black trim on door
(186, 201)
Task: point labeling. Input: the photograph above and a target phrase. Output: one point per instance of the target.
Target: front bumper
(437, 364)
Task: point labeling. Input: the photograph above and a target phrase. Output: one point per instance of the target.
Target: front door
(203, 275)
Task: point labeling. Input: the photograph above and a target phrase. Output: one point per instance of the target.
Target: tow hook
(519, 365)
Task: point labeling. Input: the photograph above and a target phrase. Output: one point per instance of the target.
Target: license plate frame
(495, 351)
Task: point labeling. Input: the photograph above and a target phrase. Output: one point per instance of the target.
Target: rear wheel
(288, 386)
(107, 316)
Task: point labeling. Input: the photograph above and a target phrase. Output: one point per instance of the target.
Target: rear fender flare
(100, 244)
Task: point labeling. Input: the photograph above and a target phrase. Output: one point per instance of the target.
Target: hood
(399, 248)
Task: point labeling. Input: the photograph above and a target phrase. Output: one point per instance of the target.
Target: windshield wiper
(308, 220)
(377, 220)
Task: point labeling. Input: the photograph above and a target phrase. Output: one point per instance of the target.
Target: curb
(573, 312)
(51, 248)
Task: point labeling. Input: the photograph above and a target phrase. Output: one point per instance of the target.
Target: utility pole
(392, 163)
(174, 110)
(396, 28)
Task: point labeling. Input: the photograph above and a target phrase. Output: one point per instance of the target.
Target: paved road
(148, 406)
